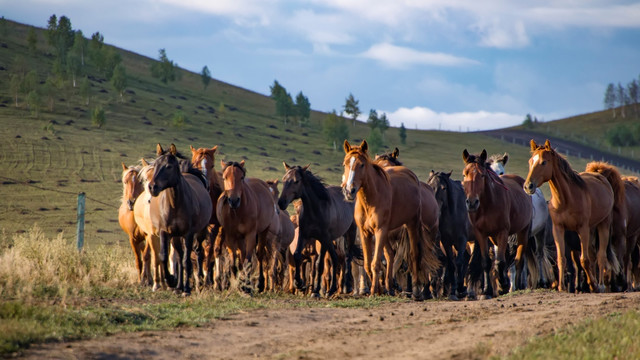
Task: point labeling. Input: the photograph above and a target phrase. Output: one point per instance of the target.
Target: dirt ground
(431, 329)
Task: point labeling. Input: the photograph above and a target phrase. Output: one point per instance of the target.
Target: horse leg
(521, 260)
(164, 258)
(210, 255)
(558, 238)
(217, 256)
(500, 262)
(481, 243)
(334, 267)
(381, 239)
(350, 239)
(628, 264)
(145, 247)
(187, 247)
(319, 271)
(390, 255)
(585, 258)
(366, 241)
(450, 280)
(461, 267)
(136, 254)
(603, 263)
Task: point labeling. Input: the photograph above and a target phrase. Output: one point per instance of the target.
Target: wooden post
(80, 232)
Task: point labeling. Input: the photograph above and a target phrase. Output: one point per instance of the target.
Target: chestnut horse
(618, 240)
(498, 207)
(131, 190)
(203, 159)
(430, 215)
(180, 209)
(325, 216)
(250, 222)
(632, 195)
(579, 202)
(385, 200)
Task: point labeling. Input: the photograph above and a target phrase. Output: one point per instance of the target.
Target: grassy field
(48, 159)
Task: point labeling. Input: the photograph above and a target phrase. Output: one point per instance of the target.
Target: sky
(430, 64)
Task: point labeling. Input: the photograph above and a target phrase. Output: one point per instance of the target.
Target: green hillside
(46, 160)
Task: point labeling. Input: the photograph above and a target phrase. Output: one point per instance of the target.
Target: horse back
(520, 205)
(430, 209)
(600, 195)
(340, 212)
(267, 216)
(202, 206)
(632, 194)
(405, 205)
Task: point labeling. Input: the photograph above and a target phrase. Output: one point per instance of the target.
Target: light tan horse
(386, 200)
(203, 159)
(579, 202)
(131, 190)
(249, 220)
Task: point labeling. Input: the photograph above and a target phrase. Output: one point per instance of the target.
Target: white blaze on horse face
(203, 164)
(351, 173)
(535, 159)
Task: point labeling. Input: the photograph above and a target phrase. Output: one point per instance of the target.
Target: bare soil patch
(432, 329)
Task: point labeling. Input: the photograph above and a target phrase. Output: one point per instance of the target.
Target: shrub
(97, 116)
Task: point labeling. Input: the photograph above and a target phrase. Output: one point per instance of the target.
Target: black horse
(326, 216)
(454, 230)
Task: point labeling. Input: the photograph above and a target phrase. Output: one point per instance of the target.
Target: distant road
(566, 147)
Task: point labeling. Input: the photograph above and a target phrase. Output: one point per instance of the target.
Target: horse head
(273, 188)
(166, 173)
(233, 174)
(292, 184)
(131, 184)
(203, 159)
(439, 181)
(498, 162)
(356, 163)
(475, 177)
(388, 159)
(540, 166)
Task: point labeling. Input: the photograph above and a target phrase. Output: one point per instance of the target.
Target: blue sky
(433, 64)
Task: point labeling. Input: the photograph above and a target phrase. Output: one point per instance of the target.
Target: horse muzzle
(529, 187)
(130, 204)
(472, 204)
(154, 190)
(234, 202)
(349, 193)
(283, 203)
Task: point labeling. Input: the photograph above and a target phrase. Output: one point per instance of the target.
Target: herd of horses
(383, 230)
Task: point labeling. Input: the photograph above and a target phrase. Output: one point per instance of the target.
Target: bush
(621, 135)
(179, 119)
(97, 116)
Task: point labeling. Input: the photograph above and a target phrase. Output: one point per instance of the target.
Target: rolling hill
(47, 159)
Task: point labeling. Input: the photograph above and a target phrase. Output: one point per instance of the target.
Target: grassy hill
(47, 160)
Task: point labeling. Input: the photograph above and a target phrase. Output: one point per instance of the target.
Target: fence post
(80, 232)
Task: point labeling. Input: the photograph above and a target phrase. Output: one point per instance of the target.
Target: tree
(95, 49)
(383, 124)
(351, 108)
(302, 108)
(375, 140)
(621, 98)
(276, 89)
(284, 102)
(119, 80)
(33, 102)
(97, 116)
(164, 69)
(528, 121)
(205, 75)
(80, 45)
(373, 121)
(50, 90)
(634, 95)
(74, 66)
(32, 40)
(335, 129)
(30, 82)
(85, 90)
(15, 83)
(64, 38)
(52, 27)
(402, 132)
(112, 59)
(610, 98)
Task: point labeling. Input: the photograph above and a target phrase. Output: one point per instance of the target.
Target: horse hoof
(417, 297)
(452, 297)
(485, 297)
(155, 287)
(315, 295)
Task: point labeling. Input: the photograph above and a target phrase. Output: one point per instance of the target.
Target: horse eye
(361, 166)
(544, 162)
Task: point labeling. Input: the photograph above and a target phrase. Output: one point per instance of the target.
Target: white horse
(540, 224)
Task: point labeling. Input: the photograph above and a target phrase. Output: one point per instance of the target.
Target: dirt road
(432, 329)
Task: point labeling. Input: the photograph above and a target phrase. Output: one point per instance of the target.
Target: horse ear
(396, 153)
(213, 149)
(306, 167)
(144, 162)
(286, 166)
(159, 150)
(124, 167)
(242, 163)
(547, 145)
(505, 158)
(364, 146)
(483, 156)
(346, 146)
(465, 155)
(193, 150)
(449, 174)
(222, 164)
(172, 149)
(432, 173)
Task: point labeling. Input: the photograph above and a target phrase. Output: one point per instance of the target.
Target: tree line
(623, 102)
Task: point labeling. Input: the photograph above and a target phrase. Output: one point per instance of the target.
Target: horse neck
(176, 197)
(312, 203)
(560, 185)
(372, 185)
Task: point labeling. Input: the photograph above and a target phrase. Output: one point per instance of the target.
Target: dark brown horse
(497, 208)
(430, 215)
(131, 190)
(250, 223)
(180, 208)
(632, 194)
(203, 159)
(579, 202)
(325, 216)
(385, 201)
(287, 229)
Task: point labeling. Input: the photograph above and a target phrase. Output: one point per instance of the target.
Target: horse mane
(389, 157)
(187, 167)
(632, 179)
(565, 167)
(316, 183)
(613, 176)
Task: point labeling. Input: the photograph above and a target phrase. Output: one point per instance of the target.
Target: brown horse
(385, 201)
(250, 221)
(287, 229)
(618, 241)
(131, 190)
(180, 209)
(203, 159)
(497, 208)
(579, 202)
(632, 194)
(430, 213)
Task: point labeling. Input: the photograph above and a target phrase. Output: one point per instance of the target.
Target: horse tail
(547, 260)
(612, 260)
(403, 250)
(532, 262)
(613, 177)
(427, 257)
(474, 270)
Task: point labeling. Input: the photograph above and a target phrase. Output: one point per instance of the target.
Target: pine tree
(402, 132)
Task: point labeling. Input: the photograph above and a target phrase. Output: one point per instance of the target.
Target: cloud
(426, 119)
(403, 57)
